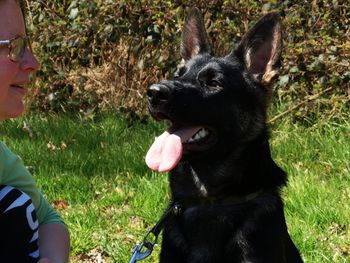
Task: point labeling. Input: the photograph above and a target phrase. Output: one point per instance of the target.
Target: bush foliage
(100, 54)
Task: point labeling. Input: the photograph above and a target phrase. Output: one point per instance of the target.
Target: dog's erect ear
(260, 48)
(194, 37)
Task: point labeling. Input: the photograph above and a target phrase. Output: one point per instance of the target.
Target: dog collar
(230, 200)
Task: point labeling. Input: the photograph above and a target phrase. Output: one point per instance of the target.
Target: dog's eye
(214, 83)
(178, 73)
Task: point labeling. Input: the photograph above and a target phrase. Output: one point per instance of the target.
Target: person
(31, 231)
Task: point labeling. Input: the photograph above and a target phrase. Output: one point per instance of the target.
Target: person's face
(14, 76)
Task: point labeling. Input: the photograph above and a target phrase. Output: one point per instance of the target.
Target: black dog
(217, 150)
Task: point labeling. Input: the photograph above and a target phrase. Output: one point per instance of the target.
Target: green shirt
(15, 174)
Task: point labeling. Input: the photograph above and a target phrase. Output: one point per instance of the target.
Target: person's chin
(15, 111)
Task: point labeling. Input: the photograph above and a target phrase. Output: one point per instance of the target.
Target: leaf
(73, 13)
(283, 81)
(294, 69)
(60, 204)
(27, 129)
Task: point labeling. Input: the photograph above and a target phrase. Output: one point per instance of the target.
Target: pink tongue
(166, 151)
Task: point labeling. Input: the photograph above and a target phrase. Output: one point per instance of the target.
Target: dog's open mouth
(168, 148)
(201, 140)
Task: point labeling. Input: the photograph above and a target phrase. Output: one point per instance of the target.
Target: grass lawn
(92, 170)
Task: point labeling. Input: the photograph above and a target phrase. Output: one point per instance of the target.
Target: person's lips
(19, 88)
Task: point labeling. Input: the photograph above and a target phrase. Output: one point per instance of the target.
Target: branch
(313, 97)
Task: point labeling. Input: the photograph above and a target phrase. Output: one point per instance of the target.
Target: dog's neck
(200, 186)
(242, 172)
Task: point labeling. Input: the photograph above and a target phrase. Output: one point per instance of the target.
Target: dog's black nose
(158, 94)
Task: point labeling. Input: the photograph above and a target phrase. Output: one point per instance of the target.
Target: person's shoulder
(4, 156)
(5, 152)
(4, 149)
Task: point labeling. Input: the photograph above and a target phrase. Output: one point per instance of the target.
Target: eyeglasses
(16, 47)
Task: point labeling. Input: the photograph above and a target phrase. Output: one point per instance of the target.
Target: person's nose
(29, 61)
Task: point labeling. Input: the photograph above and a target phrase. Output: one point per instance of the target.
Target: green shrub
(98, 54)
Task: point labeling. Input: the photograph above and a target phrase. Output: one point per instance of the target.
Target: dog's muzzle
(158, 94)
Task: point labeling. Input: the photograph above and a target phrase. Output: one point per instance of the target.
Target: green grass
(99, 182)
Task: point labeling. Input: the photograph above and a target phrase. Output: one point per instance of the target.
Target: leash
(145, 248)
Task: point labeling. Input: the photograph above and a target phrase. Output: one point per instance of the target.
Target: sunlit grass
(93, 171)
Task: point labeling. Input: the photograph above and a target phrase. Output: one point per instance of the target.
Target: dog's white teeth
(202, 133)
(190, 140)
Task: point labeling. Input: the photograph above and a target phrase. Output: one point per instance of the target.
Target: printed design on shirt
(16, 202)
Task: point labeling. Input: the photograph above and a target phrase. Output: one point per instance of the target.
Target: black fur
(228, 96)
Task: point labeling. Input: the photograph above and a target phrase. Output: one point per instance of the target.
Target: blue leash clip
(145, 249)
(141, 251)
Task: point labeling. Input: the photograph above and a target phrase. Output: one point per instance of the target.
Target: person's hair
(23, 5)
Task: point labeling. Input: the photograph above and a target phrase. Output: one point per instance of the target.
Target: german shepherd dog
(217, 150)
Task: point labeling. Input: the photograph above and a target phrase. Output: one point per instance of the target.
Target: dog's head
(214, 103)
